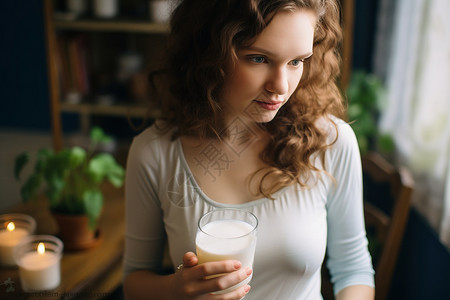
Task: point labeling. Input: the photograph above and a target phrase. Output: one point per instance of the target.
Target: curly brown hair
(205, 36)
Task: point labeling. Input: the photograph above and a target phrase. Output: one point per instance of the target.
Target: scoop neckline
(205, 197)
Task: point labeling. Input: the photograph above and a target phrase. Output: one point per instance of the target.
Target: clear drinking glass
(227, 234)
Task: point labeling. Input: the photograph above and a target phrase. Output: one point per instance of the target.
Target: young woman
(251, 119)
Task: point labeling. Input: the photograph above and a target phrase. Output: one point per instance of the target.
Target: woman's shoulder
(157, 132)
(153, 138)
(339, 134)
(343, 147)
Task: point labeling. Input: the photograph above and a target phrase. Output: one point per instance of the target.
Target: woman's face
(268, 71)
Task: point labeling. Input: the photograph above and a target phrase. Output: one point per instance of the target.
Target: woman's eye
(258, 59)
(296, 62)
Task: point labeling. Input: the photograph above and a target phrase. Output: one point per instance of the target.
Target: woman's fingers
(190, 259)
(238, 293)
(226, 281)
(221, 279)
(206, 270)
(194, 280)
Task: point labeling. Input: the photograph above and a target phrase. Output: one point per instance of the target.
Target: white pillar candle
(13, 228)
(9, 239)
(39, 267)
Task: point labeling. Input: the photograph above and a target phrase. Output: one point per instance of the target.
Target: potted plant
(365, 95)
(71, 180)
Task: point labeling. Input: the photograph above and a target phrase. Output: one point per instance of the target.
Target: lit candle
(14, 227)
(39, 268)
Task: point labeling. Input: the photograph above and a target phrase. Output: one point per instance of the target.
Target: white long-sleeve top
(163, 201)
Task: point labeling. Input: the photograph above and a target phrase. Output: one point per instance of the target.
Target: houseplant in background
(365, 95)
(71, 181)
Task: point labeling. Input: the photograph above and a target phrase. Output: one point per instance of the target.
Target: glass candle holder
(13, 228)
(38, 258)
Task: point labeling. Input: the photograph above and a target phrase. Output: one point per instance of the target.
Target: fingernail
(237, 265)
(247, 288)
(248, 271)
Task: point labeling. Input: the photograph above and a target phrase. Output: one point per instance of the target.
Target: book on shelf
(72, 64)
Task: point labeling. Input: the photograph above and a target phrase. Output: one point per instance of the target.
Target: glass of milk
(227, 234)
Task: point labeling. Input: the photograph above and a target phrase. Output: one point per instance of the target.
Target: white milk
(227, 239)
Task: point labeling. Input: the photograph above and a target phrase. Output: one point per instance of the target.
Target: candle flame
(41, 248)
(10, 226)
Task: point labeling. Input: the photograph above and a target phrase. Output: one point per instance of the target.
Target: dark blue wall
(423, 268)
(364, 37)
(24, 96)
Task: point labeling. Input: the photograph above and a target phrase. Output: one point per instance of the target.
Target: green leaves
(99, 136)
(93, 203)
(31, 187)
(71, 177)
(20, 161)
(75, 157)
(366, 95)
(365, 90)
(55, 188)
(104, 165)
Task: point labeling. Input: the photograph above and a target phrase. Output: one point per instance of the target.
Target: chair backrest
(387, 203)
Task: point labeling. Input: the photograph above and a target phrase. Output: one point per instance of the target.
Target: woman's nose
(277, 81)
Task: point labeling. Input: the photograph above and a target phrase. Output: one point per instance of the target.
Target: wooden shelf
(112, 26)
(87, 65)
(85, 111)
(109, 110)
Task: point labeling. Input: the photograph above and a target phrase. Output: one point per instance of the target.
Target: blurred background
(400, 48)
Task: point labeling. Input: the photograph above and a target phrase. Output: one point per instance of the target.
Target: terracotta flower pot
(75, 233)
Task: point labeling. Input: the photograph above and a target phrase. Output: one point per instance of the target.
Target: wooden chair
(387, 202)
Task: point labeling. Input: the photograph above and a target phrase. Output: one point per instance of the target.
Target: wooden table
(88, 274)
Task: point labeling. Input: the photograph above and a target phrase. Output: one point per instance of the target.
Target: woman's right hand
(190, 281)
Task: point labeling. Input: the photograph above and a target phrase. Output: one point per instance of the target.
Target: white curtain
(417, 111)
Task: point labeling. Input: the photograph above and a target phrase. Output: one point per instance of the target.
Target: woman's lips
(269, 105)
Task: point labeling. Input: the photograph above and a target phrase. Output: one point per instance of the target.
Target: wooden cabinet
(97, 68)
